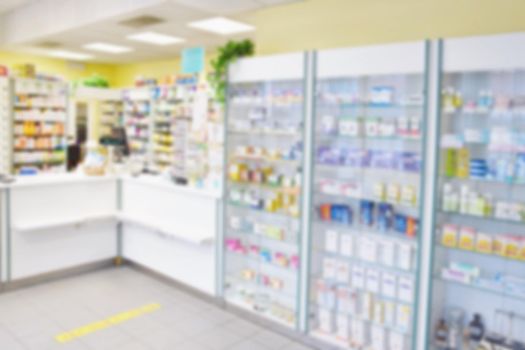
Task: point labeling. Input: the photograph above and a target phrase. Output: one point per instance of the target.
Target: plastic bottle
(476, 329)
(464, 200)
(447, 193)
(441, 335)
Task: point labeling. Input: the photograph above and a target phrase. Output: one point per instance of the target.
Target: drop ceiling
(8, 5)
(71, 24)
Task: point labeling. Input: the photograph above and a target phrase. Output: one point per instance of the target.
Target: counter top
(159, 181)
(70, 178)
(55, 179)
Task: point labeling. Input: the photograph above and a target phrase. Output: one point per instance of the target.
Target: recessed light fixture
(105, 47)
(69, 55)
(222, 26)
(156, 38)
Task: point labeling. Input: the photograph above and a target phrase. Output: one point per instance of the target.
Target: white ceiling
(8, 5)
(102, 25)
(226, 7)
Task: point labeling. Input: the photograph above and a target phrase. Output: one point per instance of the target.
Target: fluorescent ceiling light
(69, 55)
(156, 38)
(222, 26)
(105, 47)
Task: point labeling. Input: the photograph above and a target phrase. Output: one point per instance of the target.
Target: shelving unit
(177, 129)
(478, 284)
(39, 125)
(165, 104)
(263, 186)
(6, 153)
(111, 115)
(198, 137)
(138, 122)
(365, 234)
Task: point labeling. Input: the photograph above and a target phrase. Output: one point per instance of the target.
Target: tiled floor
(31, 318)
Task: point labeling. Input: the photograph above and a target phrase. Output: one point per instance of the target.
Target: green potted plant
(227, 54)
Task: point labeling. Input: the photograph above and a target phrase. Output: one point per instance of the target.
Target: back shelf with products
(6, 150)
(137, 121)
(39, 121)
(177, 129)
(111, 116)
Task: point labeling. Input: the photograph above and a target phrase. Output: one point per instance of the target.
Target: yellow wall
(58, 67)
(338, 23)
(317, 24)
(125, 74)
(321, 24)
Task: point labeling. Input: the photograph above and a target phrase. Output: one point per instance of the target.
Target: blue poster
(192, 60)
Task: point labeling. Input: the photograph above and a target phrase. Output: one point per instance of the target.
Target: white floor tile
(31, 318)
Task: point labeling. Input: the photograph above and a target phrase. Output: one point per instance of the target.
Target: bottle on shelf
(441, 335)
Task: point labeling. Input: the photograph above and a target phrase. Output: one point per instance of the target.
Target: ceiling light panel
(156, 38)
(109, 48)
(222, 26)
(69, 55)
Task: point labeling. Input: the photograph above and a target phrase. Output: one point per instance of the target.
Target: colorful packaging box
(467, 238)
(449, 237)
(484, 243)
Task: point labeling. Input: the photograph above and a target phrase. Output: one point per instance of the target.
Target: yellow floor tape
(108, 322)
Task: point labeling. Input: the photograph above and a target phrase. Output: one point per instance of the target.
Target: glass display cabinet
(478, 289)
(263, 186)
(364, 257)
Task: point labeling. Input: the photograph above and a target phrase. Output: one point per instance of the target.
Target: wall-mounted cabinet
(411, 189)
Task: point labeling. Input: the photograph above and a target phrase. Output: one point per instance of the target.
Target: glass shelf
(360, 262)
(262, 159)
(276, 133)
(366, 231)
(481, 218)
(481, 255)
(254, 236)
(475, 287)
(484, 181)
(278, 294)
(264, 264)
(248, 208)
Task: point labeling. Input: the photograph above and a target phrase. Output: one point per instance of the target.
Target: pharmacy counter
(58, 222)
(171, 229)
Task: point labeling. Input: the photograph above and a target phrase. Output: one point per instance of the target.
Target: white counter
(59, 222)
(171, 229)
(55, 222)
(164, 184)
(57, 179)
